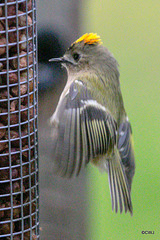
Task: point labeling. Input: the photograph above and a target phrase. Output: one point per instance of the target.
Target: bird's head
(87, 54)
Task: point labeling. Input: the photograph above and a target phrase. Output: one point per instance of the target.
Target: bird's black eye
(76, 56)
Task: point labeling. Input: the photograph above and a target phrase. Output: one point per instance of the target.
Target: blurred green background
(131, 31)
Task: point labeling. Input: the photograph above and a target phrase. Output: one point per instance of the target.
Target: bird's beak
(60, 60)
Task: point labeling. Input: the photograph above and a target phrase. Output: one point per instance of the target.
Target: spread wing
(82, 130)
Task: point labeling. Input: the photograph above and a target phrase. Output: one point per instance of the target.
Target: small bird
(90, 123)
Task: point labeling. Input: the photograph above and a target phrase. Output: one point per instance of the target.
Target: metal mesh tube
(19, 193)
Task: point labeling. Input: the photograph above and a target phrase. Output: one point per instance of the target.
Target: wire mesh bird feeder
(19, 195)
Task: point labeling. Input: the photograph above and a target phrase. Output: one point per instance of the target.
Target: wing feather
(84, 148)
(125, 146)
(90, 147)
(66, 142)
(72, 147)
(78, 143)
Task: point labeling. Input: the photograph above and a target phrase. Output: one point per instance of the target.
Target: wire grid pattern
(19, 192)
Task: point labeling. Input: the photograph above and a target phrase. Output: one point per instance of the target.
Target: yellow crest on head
(89, 38)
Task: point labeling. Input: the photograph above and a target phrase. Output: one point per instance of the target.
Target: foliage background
(131, 31)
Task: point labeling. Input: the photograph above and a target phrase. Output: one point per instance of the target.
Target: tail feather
(119, 189)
